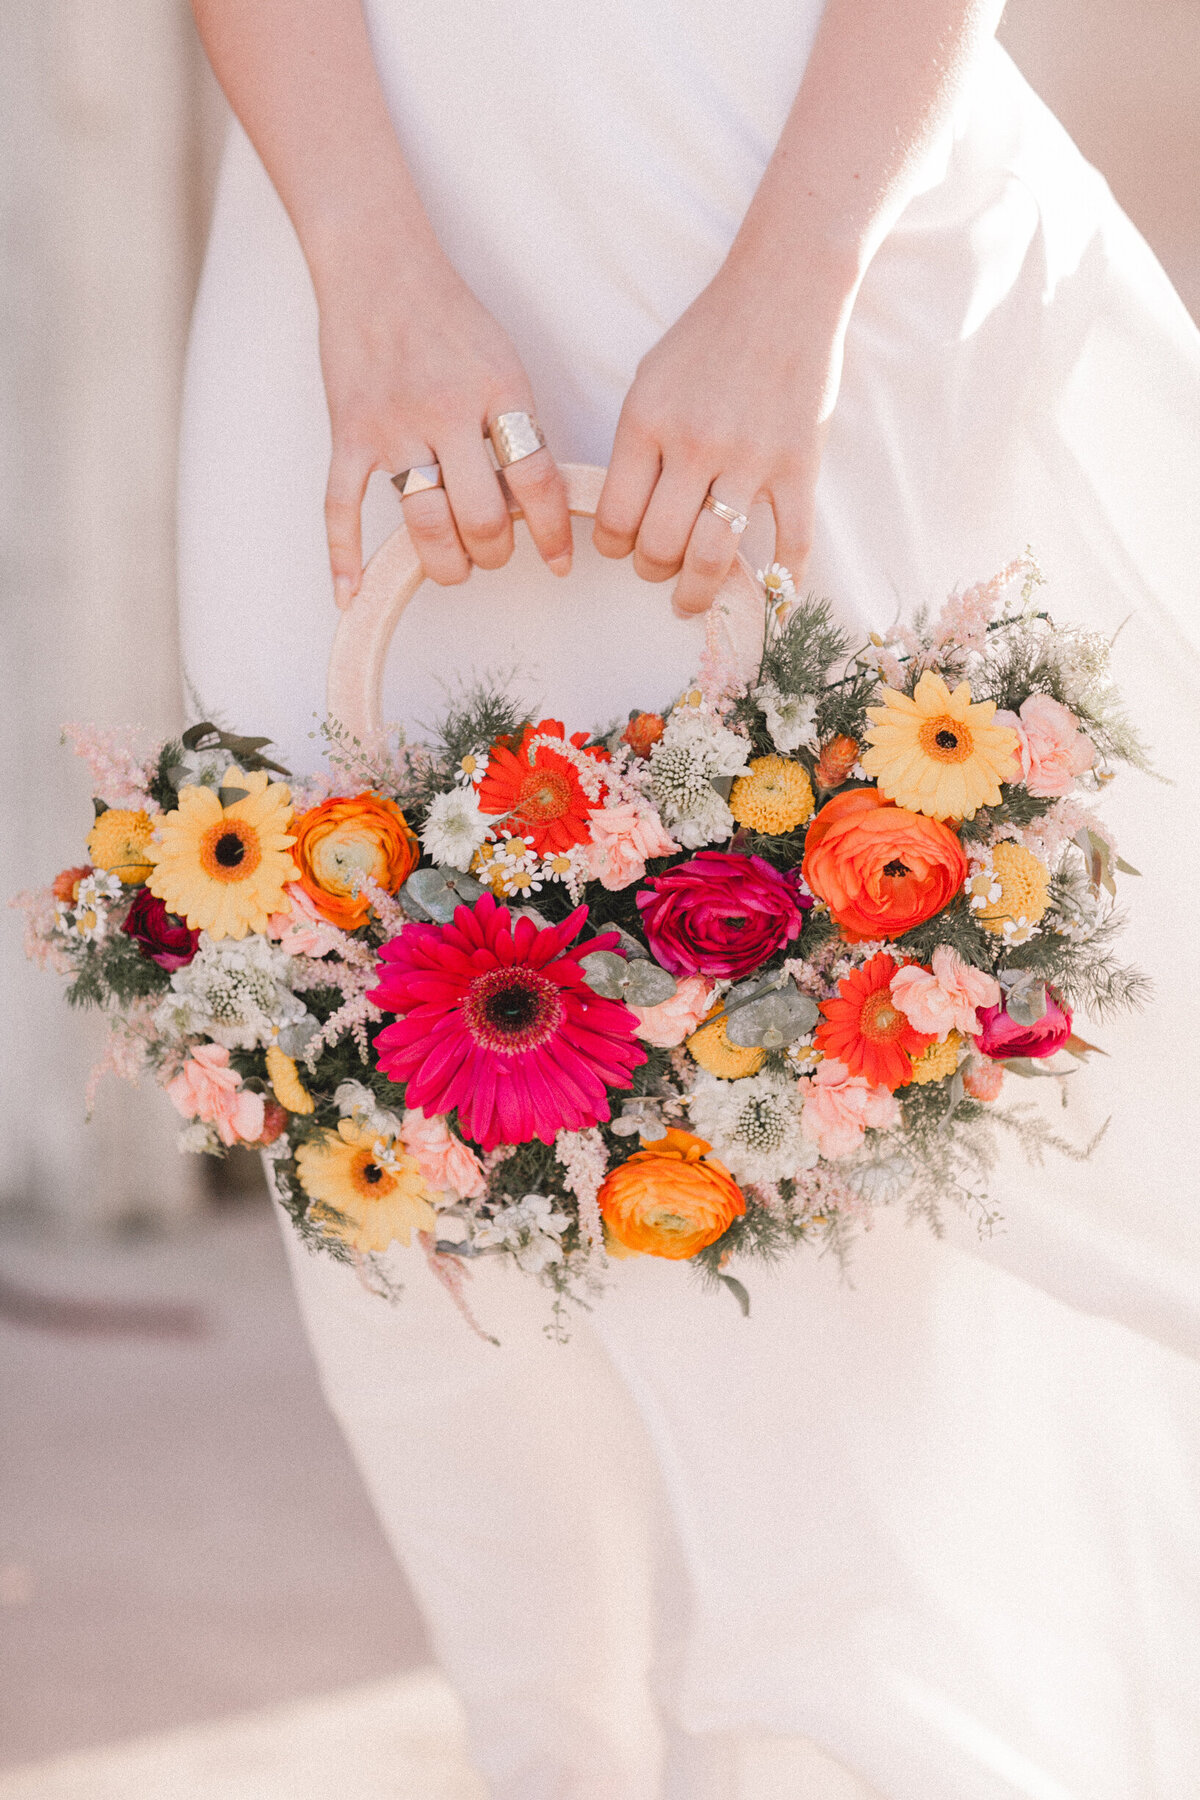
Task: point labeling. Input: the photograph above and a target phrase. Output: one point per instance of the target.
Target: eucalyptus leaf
(956, 1092)
(723, 785)
(1026, 1001)
(633, 949)
(1127, 868)
(229, 796)
(436, 894)
(99, 807)
(245, 750)
(1031, 1068)
(605, 972)
(294, 1039)
(646, 984)
(1098, 857)
(772, 1021)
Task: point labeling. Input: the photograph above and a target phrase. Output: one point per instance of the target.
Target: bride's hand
(415, 370)
(735, 398)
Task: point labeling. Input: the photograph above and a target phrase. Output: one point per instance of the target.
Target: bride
(830, 264)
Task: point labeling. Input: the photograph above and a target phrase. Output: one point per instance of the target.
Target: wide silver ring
(514, 436)
(736, 521)
(418, 480)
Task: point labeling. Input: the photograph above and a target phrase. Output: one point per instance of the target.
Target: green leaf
(739, 1293)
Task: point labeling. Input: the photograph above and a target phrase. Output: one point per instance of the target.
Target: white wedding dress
(941, 1519)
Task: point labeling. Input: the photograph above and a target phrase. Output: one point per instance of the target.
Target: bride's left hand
(735, 399)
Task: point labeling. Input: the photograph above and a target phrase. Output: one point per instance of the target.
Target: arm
(414, 367)
(738, 393)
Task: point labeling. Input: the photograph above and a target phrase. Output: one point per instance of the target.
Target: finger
(711, 549)
(539, 490)
(435, 539)
(794, 506)
(476, 500)
(344, 492)
(632, 473)
(663, 537)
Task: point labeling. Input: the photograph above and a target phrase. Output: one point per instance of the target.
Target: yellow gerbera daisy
(938, 1060)
(1024, 892)
(939, 752)
(362, 1190)
(773, 796)
(711, 1048)
(224, 868)
(118, 842)
(290, 1091)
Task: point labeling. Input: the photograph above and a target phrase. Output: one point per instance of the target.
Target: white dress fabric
(940, 1519)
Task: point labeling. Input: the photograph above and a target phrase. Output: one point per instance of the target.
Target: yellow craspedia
(939, 1060)
(711, 1048)
(773, 796)
(290, 1091)
(1024, 890)
(364, 1190)
(117, 842)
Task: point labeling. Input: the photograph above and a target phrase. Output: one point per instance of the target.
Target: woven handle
(354, 691)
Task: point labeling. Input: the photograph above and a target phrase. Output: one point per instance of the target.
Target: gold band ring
(736, 521)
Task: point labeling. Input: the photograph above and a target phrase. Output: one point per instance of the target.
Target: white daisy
(454, 828)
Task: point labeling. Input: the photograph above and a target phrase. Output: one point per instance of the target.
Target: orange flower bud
(643, 731)
(835, 762)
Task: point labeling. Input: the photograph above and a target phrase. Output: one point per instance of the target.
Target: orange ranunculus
(341, 841)
(879, 868)
(671, 1198)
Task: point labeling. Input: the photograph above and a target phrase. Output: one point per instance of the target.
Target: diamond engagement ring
(514, 436)
(736, 521)
(418, 480)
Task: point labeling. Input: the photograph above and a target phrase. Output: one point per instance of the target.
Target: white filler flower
(753, 1125)
(454, 828)
(235, 993)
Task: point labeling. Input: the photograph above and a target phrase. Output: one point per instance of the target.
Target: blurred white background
(181, 1536)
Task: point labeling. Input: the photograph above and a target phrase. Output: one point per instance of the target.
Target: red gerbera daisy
(868, 1033)
(496, 1019)
(539, 789)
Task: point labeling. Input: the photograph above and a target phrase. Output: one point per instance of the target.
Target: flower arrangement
(707, 985)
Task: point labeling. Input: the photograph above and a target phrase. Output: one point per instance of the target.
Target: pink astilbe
(453, 1275)
(388, 911)
(820, 1190)
(125, 1055)
(121, 762)
(963, 621)
(585, 1164)
(41, 941)
(718, 678)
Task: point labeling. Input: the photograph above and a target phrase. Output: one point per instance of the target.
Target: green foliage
(1018, 808)
(114, 974)
(161, 787)
(798, 655)
(956, 926)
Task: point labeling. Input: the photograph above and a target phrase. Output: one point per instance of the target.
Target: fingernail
(343, 591)
(561, 565)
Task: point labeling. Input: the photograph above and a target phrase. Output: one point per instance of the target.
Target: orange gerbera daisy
(866, 1032)
(539, 790)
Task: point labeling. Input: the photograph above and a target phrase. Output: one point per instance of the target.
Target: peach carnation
(621, 839)
(943, 999)
(444, 1161)
(1051, 749)
(668, 1023)
(838, 1108)
(302, 931)
(207, 1088)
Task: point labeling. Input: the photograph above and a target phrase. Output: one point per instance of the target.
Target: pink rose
(301, 931)
(207, 1088)
(622, 840)
(719, 914)
(838, 1108)
(1052, 750)
(999, 1035)
(668, 1023)
(943, 999)
(443, 1160)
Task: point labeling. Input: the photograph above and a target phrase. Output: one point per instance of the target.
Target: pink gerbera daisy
(496, 1019)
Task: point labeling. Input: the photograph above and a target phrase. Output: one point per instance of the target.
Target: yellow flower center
(879, 1022)
(946, 739)
(230, 850)
(544, 795)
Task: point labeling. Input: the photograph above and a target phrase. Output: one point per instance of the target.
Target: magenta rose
(158, 934)
(1000, 1036)
(720, 914)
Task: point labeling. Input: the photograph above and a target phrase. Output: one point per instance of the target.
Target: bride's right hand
(415, 371)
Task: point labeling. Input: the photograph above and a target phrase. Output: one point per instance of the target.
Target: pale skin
(736, 397)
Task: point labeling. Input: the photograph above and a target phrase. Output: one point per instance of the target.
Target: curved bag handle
(354, 688)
